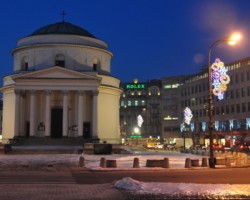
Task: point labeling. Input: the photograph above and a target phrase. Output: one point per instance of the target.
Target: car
(243, 146)
(171, 147)
(217, 147)
(159, 146)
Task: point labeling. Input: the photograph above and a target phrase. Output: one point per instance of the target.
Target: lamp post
(137, 132)
(231, 41)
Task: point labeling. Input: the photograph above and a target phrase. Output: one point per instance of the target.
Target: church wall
(8, 114)
(62, 39)
(108, 115)
(79, 58)
(111, 81)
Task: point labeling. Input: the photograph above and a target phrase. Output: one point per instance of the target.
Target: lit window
(136, 103)
(143, 103)
(175, 85)
(167, 86)
(129, 103)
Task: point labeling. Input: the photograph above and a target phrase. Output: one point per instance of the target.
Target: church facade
(61, 87)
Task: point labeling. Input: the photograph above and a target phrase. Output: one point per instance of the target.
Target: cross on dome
(63, 15)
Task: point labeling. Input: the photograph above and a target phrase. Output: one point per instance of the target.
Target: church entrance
(86, 130)
(56, 122)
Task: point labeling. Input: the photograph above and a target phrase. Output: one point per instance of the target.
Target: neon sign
(135, 86)
(220, 79)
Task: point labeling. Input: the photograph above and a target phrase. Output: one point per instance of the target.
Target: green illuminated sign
(135, 136)
(135, 86)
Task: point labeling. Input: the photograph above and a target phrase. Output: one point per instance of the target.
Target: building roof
(62, 28)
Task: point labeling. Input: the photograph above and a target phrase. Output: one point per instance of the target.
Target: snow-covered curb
(135, 186)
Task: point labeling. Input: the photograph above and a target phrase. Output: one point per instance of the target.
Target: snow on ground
(182, 188)
(125, 162)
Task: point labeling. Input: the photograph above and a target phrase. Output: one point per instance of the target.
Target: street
(83, 176)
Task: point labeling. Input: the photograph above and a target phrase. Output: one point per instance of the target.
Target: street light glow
(136, 130)
(233, 39)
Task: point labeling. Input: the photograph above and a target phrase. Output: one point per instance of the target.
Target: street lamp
(137, 132)
(231, 40)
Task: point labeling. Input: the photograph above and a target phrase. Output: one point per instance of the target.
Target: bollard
(81, 161)
(188, 163)
(204, 162)
(103, 162)
(165, 163)
(136, 163)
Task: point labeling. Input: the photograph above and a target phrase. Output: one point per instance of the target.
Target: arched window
(24, 64)
(95, 64)
(60, 60)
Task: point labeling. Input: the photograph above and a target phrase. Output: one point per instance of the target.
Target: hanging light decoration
(220, 79)
(187, 115)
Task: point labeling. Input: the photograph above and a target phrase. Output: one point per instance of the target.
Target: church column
(22, 113)
(65, 113)
(94, 115)
(17, 112)
(80, 113)
(47, 113)
(32, 113)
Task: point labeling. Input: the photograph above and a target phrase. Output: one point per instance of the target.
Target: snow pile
(132, 185)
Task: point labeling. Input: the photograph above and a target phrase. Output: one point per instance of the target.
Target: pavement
(67, 190)
(60, 191)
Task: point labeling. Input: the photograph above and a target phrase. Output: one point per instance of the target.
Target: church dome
(62, 28)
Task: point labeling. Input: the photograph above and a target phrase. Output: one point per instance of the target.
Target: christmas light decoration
(139, 120)
(220, 79)
(187, 115)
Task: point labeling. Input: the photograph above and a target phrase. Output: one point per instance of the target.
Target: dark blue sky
(150, 39)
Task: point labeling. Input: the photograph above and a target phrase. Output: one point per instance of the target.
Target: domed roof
(62, 28)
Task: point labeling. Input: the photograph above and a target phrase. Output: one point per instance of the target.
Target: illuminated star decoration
(187, 115)
(220, 79)
(139, 120)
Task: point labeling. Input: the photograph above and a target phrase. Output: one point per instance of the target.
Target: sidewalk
(69, 189)
(59, 192)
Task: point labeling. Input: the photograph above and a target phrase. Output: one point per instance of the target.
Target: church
(61, 87)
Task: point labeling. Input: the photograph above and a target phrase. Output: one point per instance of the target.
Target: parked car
(197, 147)
(217, 146)
(243, 145)
(170, 147)
(159, 146)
